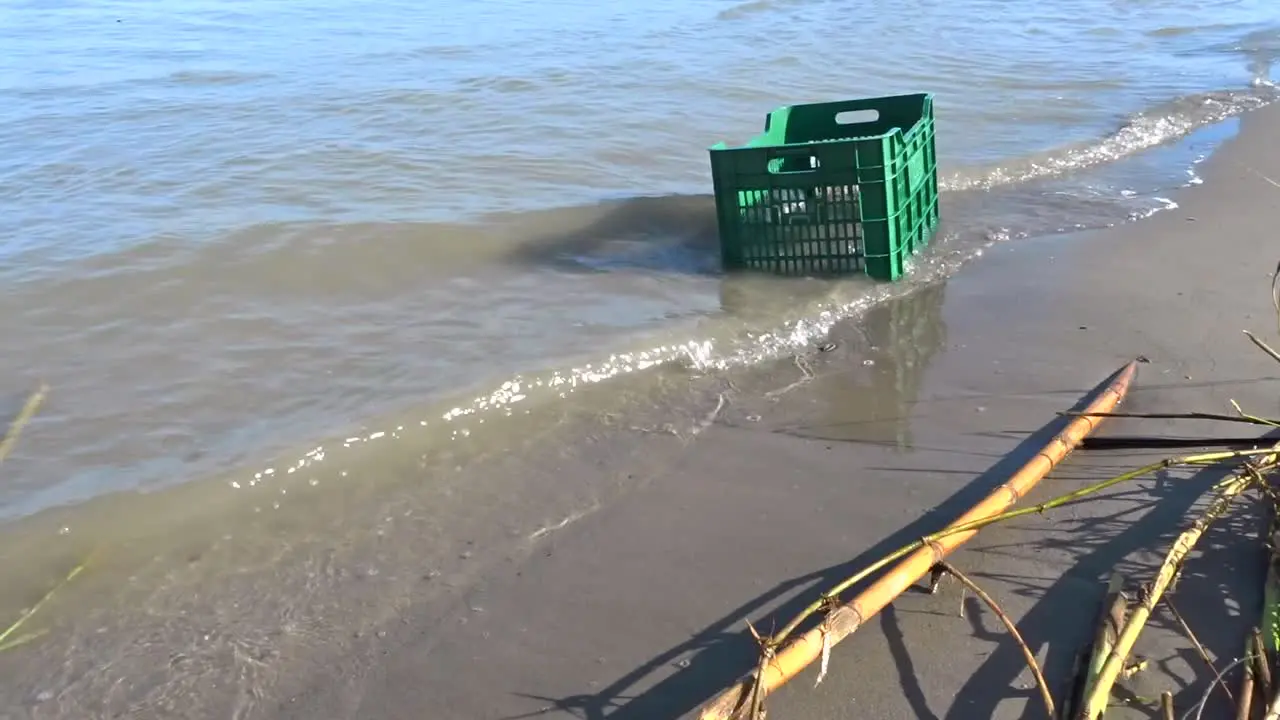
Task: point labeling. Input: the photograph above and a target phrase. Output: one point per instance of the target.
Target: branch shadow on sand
(724, 651)
(1218, 592)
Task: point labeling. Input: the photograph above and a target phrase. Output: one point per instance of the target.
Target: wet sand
(633, 605)
(603, 566)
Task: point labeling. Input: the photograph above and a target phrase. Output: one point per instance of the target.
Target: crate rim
(723, 146)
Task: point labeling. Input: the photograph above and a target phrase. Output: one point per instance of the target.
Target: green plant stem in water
(5, 643)
(28, 411)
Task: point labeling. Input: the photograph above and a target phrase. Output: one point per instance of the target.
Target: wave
(434, 302)
(1160, 125)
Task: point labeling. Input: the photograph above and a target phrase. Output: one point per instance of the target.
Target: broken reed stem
(29, 409)
(1013, 630)
(1263, 344)
(1228, 491)
(845, 618)
(830, 596)
(1244, 710)
(1261, 662)
(1111, 615)
(1273, 709)
(1271, 584)
(1200, 649)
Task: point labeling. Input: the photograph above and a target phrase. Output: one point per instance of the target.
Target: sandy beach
(633, 605)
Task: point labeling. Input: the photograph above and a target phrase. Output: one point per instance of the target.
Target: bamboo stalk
(1273, 710)
(1111, 617)
(973, 526)
(1013, 630)
(1245, 709)
(29, 409)
(1228, 491)
(847, 618)
(1261, 662)
(1271, 585)
(1065, 499)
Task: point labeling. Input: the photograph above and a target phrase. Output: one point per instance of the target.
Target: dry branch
(1261, 663)
(1245, 709)
(1111, 617)
(788, 660)
(1195, 642)
(1228, 490)
(1013, 631)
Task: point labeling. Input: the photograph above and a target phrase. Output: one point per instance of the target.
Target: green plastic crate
(830, 188)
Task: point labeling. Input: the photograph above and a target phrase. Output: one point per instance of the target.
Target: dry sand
(634, 606)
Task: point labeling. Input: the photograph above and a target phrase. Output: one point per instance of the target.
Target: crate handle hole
(857, 117)
(794, 164)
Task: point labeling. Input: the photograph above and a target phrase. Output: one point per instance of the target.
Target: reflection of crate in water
(912, 331)
(817, 194)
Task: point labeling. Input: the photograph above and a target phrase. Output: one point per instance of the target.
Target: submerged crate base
(812, 235)
(817, 196)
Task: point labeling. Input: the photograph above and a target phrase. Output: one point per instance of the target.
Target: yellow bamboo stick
(800, 652)
(1228, 490)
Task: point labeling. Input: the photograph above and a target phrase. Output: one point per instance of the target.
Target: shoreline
(637, 609)
(535, 552)
(264, 414)
(752, 305)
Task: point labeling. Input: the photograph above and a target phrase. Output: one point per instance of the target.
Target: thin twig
(757, 693)
(1227, 491)
(1275, 286)
(28, 411)
(1250, 420)
(710, 418)
(1195, 641)
(833, 593)
(1268, 180)
(1251, 417)
(808, 375)
(1150, 442)
(1013, 631)
(1262, 344)
(1198, 710)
